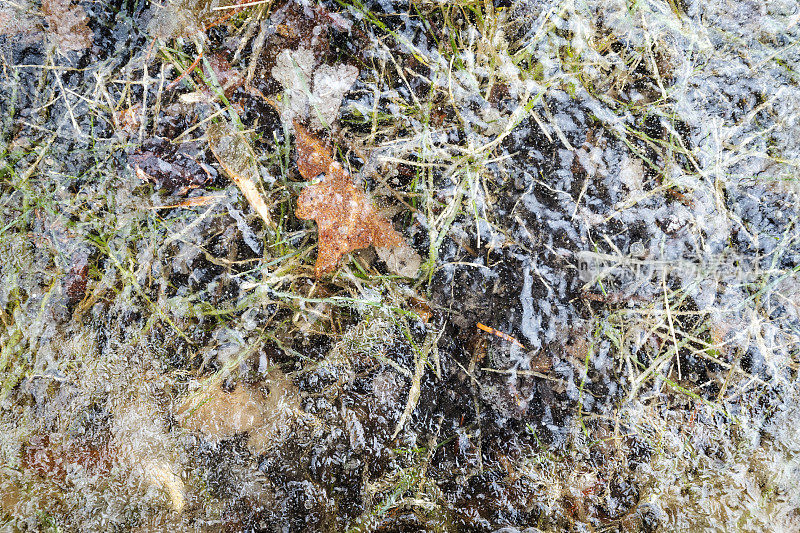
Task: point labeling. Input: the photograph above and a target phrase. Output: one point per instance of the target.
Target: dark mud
(169, 359)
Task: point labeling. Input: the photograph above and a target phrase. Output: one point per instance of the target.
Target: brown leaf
(266, 411)
(16, 23)
(174, 168)
(229, 78)
(346, 219)
(313, 158)
(402, 260)
(129, 119)
(67, 24)
(52, 460)
(74, 282)
(234, 153)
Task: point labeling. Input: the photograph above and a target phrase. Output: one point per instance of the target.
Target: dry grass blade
(235, 155)
(197, 201)
(413, 392)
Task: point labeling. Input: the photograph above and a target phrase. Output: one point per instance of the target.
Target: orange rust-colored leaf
(312, 157)
(346, 219)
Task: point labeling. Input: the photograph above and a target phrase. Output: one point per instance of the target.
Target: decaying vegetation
(293, 265)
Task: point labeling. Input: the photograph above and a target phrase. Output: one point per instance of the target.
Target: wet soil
(494, 391)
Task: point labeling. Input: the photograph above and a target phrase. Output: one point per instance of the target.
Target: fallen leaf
(346, 219)
(236, 156)
(174, 168)
(267, 411)
(330, 85)
(402, 260)
(66, 23)
(313, 158)
(129, 119)
(74, 283)
(421, 307)
(144, 446)
(306, 25)
(178, 18)
(228, 77)
(160, 474)
(17, 23)
(294, 70)
(54, 459)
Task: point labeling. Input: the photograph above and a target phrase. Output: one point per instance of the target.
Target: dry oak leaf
(346, 219)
